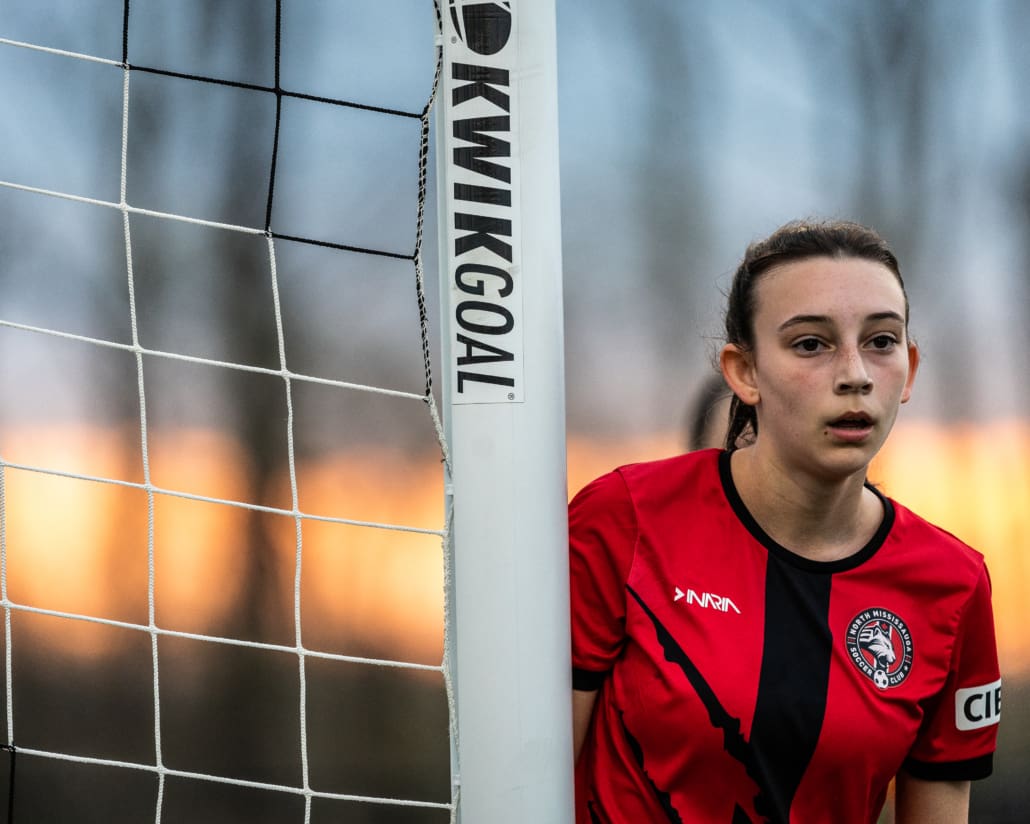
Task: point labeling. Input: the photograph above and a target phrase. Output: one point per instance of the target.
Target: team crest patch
(880, 645)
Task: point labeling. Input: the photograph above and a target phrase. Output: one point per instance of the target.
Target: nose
(852, 376)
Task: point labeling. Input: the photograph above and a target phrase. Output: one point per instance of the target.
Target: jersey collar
(784, 554)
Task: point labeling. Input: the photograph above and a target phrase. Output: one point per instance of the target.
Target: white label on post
(480, 145)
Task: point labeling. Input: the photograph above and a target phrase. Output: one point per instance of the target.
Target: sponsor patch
(978, 707)
(880, 645)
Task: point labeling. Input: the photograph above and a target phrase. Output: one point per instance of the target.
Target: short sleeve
(958, 738)
(602, 537)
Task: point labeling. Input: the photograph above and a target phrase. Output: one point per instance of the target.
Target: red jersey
(740, 682)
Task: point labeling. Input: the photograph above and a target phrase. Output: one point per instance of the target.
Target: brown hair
(798, 240)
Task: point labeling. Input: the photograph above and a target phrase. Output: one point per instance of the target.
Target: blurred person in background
(708, 415)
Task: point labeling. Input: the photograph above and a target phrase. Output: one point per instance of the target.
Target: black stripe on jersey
(638, 753)
(796, 651)
(733, 742)
(793, 681)
(740, 817)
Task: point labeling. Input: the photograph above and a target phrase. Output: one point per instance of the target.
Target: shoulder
(942, 566)
(630, 482)
(940, 547)
(679, 475)
(607, 516)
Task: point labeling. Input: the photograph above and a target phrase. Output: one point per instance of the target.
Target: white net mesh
(222, 468)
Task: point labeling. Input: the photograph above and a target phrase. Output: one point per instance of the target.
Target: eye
(808, 346)
(884, 342)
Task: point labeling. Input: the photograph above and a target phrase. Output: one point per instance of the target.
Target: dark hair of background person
(708, 414)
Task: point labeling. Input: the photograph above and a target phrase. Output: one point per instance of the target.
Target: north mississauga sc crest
(880, 645)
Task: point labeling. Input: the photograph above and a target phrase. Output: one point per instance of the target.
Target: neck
(818, 518)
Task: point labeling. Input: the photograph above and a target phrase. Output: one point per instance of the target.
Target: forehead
(839, 288)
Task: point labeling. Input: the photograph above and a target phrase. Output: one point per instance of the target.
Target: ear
(913, 367)
(738, 369)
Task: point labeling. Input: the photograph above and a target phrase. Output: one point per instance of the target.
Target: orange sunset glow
(81, 547)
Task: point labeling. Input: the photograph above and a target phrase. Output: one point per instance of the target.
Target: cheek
(891, 375)
(790, 381)
(786, 394)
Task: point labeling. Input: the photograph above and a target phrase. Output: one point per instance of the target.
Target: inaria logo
(483, 27)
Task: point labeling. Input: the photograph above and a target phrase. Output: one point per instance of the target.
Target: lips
(851, 427)
(852, 420)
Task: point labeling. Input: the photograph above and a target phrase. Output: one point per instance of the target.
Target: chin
(845, 461)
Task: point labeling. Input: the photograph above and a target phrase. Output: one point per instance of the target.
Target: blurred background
(687, 130)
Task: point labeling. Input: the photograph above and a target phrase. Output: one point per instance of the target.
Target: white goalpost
(501, 292)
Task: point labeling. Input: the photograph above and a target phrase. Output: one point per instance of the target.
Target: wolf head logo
(876, 641)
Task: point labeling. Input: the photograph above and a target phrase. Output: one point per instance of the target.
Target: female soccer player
(759, 635)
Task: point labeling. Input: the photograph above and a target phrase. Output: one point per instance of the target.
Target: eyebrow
(797, 320)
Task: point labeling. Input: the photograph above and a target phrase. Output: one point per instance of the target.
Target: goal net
(244, 570)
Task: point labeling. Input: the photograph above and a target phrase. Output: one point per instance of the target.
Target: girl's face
(831, 362)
